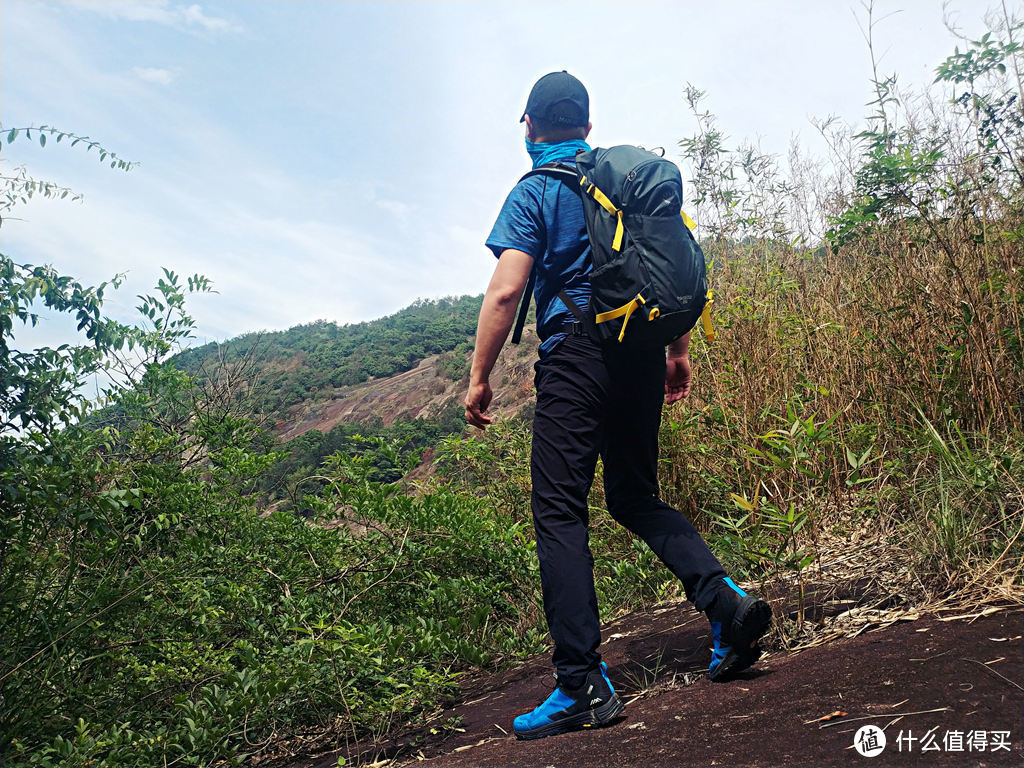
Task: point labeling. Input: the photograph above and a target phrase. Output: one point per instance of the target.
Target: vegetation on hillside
(295, 474)
(277, 373)
(155, 613)
(308, 362)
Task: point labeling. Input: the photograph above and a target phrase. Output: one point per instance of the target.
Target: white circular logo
(869, 741)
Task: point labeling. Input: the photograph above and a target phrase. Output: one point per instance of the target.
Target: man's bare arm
(497, 314)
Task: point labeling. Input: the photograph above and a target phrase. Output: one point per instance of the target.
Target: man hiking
(593, 399)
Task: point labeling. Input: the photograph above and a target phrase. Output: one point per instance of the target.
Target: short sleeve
(519, 224)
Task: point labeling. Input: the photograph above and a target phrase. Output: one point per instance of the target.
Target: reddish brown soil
(676, 717)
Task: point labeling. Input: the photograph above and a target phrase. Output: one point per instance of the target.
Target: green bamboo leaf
(12, 135)
(42, 139)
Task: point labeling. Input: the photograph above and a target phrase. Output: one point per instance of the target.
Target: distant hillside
(424, 393)
(307, 362)
(321, 387)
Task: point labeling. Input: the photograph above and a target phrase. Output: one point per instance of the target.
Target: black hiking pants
(589, 402)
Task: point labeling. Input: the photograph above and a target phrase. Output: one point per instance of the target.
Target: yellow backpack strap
(705, 316)
(626, 310)
(606, 203)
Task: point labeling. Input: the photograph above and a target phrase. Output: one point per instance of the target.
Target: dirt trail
(971, 670)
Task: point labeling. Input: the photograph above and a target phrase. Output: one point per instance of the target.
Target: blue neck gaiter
(560, 150)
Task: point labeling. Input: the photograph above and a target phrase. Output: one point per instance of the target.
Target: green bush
(151, 615)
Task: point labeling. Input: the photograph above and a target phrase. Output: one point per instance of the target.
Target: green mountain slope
(321, 388)
(307, 362)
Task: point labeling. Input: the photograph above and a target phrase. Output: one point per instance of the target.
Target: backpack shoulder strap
(557, 170)
(517, 334)
(565, 173)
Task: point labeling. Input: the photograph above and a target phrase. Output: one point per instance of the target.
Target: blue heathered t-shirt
(544, 218)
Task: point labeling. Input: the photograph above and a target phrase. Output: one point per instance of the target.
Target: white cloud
(155, 75)
(393, 206)
(159, 12)
(193, 14)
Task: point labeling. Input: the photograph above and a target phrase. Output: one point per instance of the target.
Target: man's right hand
(478, 399)
(497, 313)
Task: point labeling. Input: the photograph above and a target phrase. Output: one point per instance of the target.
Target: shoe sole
(592, 718)
(752, 619)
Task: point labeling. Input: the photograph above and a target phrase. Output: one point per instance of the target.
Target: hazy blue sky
(338, 159)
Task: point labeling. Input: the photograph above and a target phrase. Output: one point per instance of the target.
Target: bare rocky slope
(422, 392)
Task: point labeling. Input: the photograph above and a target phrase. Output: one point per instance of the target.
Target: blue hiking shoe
(592, 705)
(737, 622)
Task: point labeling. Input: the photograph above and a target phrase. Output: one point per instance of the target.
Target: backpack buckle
(576, 328)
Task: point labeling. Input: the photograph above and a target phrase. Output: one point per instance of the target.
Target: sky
(339, 160)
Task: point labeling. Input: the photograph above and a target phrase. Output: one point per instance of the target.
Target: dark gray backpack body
(648, 281)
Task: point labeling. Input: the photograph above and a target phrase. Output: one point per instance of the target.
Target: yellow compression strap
(705, 316)
(626, 311)
(603, 200)
(601, 197)
(619, 231)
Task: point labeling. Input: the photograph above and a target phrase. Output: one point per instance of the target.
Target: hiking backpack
(648, 282)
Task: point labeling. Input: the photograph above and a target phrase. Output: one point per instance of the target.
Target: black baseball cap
(558, 98)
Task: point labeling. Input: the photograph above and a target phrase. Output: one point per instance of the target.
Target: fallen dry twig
(889, 714)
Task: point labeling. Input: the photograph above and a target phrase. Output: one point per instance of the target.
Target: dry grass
(871, 386)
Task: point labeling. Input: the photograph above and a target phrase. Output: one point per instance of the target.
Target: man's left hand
(678, 378)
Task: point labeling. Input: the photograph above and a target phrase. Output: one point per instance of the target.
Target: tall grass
(900, 330)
